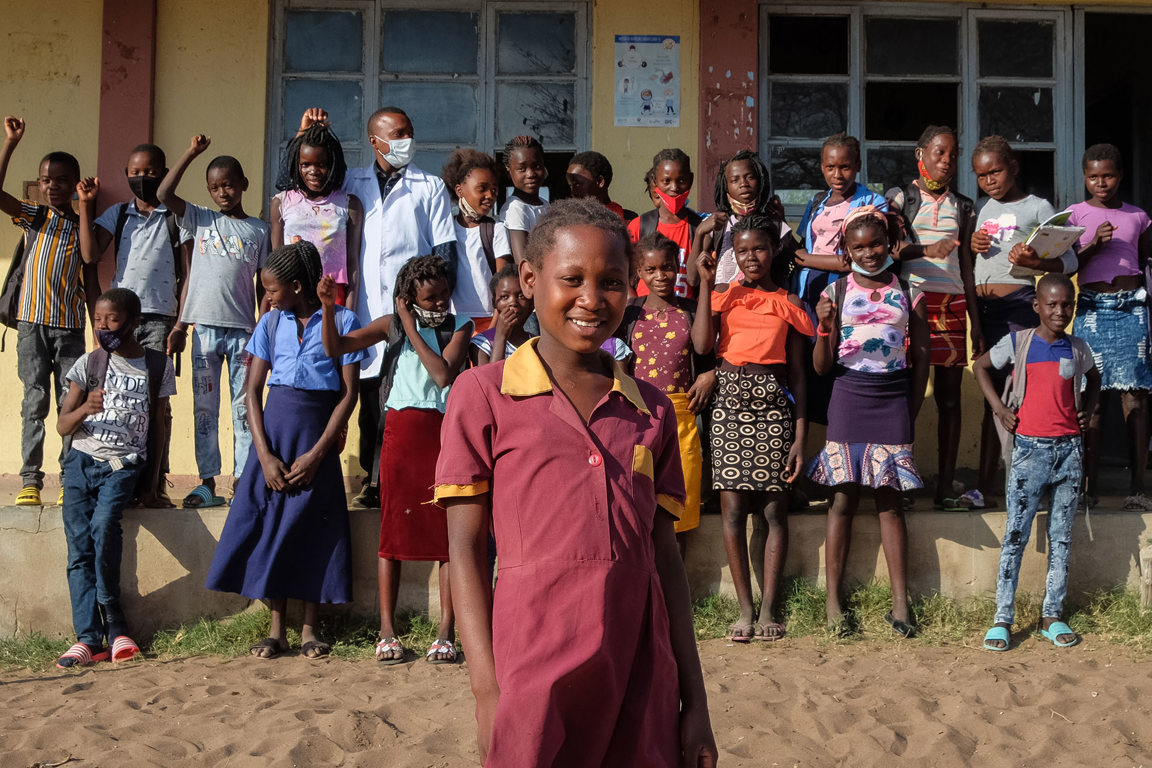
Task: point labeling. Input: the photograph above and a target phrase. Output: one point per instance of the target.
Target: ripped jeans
(1040, 465)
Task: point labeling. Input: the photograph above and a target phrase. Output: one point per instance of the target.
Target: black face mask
(144, 187)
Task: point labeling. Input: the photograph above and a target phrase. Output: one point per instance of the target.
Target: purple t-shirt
(1118, 257)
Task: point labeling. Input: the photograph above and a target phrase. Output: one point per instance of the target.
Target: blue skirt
(1115, 325)
(288, 545)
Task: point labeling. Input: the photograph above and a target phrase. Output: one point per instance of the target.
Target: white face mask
(400, 151)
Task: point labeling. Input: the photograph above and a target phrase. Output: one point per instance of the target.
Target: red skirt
(411, 526)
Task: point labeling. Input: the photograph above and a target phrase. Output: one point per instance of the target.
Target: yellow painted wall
(51, 64)
(631, 149)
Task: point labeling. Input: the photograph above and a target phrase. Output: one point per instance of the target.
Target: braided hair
(845, 141)
(520, 142)
(322, 137)
(296, 262)
(419, 269)
(758, 168)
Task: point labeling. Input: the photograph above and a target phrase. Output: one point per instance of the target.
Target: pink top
(826, 227)
(874, 331)
(662, 342)
(322, 221)
(1119, 256)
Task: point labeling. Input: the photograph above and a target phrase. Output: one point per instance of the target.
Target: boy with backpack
(1053, 390)
(44, 298)
(114, 396)
(152, 258)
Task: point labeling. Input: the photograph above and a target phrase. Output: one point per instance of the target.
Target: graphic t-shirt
(120, 431)
(226, 255)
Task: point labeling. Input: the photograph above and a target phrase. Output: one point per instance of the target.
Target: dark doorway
(1118, 96)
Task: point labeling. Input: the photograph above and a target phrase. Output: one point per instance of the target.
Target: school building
(625, 77)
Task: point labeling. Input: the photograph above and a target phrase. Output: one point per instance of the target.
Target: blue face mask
(861, 271)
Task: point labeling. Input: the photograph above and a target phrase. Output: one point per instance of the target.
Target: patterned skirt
(872, 465)
(1115, 325)
(752, 431)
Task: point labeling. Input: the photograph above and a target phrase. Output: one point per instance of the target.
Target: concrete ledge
(167, 554)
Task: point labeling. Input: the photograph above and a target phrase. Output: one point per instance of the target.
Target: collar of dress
(524, 376)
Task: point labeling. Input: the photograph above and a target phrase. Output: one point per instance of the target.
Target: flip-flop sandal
(202, 497)
(29, 496)
(769, 631)
(271, 643)
(1058, 628)
(902, 628)
(390, 645)
(315, 649)
(123, 649)
(80, 655)
(740, 633)
(997, 633)
(950, 504)
(439, 647)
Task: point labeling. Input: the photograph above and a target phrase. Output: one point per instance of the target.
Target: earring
(297, 290)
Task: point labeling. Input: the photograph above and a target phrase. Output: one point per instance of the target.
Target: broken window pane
(896, 46)
(543, 110)
(808, 45)
(901, 111)
(795, 173)
(536, 43)
(1016, 48)
(1016, 113)
(808, 110)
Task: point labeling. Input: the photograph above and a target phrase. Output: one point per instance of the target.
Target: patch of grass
(35, 652)
(216, 637)
(712, 615)
(1116, 615)
(804, 608)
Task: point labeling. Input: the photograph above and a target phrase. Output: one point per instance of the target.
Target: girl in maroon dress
(584, 655)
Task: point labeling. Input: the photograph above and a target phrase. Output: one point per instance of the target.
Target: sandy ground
(795, 703)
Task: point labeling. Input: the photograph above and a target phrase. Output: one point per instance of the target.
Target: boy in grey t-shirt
(110, 419)
(228, 250)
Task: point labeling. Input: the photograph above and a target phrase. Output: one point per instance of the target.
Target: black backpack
(14, 280)
(649, 220)
(173, 237)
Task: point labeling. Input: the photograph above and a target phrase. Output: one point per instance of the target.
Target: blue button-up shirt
(301, 363)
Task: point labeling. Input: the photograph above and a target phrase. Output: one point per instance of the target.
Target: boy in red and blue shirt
(1052, 395)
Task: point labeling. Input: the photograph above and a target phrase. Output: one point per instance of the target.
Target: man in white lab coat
(407, 213)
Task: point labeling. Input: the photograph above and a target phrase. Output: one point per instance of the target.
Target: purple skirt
(870, 408)
(288, 545)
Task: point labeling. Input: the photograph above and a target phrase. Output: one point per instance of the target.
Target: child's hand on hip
(1008, 419)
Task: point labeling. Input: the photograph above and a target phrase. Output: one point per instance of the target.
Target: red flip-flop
(123, 649)
(80, 655)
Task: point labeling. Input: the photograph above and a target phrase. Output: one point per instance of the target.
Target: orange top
(754, 324)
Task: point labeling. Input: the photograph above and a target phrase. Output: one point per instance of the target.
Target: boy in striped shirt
(50, 330)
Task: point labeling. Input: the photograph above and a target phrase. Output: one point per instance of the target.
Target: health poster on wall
(648, 81)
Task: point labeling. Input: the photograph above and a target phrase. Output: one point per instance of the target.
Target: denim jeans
(1040, 465)
(211, 347)
(95, 494)
(44, 355)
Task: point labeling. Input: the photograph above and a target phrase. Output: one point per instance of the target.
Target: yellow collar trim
(524, 376)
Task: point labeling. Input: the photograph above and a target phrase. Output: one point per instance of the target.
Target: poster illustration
(647, 81)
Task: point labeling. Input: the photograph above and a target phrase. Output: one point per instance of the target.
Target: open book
(1050, 240)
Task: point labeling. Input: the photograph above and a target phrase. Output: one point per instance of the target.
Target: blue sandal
(1060, 628)
(202, 497)
(997, 633)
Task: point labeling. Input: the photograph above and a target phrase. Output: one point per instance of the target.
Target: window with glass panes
(884, 72)
(468, 74)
